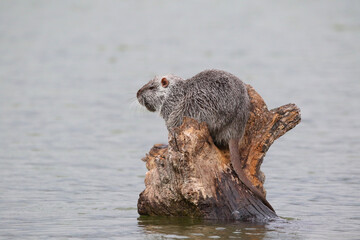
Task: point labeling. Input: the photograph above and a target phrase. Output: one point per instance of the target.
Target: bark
(193, 177)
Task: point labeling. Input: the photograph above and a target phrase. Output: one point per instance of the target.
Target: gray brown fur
(213, 96)
(216, 97)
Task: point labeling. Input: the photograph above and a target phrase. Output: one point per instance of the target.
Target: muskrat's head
(153, 94)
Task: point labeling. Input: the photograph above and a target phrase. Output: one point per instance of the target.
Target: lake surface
(72, 136)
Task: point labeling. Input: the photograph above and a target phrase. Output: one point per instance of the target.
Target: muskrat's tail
(236, 163)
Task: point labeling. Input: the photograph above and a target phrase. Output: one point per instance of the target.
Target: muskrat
(213, 96)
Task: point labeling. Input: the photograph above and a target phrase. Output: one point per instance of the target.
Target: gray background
(72, 135)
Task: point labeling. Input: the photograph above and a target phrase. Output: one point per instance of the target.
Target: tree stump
(193, 177)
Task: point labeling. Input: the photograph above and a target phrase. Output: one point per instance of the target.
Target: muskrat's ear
(164, 82)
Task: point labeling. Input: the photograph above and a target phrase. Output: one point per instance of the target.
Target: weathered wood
(193, 177)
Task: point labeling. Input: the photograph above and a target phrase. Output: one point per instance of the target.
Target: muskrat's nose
(139, 92)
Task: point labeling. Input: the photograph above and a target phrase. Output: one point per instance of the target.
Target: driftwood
(193, 177)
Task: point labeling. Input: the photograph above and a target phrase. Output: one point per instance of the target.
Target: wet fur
(213, 96)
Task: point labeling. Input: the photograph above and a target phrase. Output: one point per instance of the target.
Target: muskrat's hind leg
(238, 167)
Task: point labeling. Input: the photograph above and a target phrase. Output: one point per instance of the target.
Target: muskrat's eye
(164, 82)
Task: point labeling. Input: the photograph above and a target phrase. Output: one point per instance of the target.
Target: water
(72, 138)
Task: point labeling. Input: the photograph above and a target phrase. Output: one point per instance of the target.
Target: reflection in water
(184, 227)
